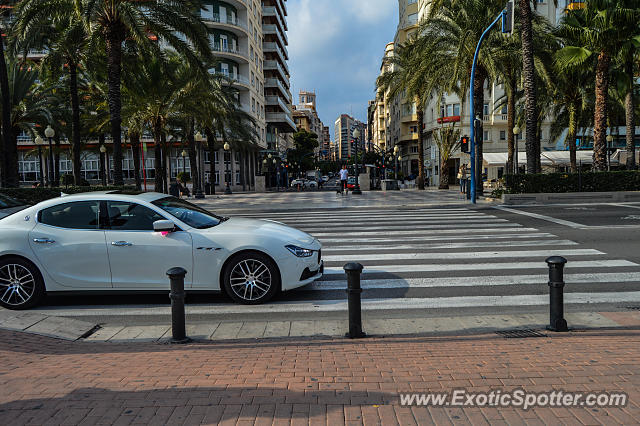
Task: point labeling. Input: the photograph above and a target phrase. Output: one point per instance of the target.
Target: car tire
(251, 278)
(21, 284)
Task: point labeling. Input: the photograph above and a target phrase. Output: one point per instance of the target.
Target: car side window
(74, 215)
(124, 216)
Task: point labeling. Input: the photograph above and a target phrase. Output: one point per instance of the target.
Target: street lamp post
(103, 151)
(609, 143)
(395, 155)
(183, 154)
(356, 189)
(516, 133)
(277, 169)
(50, 133)
(227, 178)
(39, 142)
(199, 194)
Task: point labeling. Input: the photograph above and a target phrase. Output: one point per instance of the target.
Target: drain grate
(520, 334)
(633, 308)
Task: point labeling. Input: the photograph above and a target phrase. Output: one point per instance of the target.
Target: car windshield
(188, 213)
(8, 202)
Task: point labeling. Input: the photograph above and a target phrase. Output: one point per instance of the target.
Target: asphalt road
(430, 260)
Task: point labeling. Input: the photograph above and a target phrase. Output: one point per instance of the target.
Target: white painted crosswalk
(448, 258)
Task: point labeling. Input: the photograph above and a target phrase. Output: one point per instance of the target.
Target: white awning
(547, 158)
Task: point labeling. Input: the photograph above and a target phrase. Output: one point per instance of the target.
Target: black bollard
(353, 271)
(178, 330)
(556, 298)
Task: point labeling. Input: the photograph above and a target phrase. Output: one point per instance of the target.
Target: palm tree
(447, 139)
(408, 76)
(65, 38)
(449, 37)
(139, 22)
(600, 29)
(9, 153)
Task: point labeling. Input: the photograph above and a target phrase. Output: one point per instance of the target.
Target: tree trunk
(630, 121)
(571, 135)
(211, 143)
(76, 149)
(56, 160)
(478, 99)
(528, 72)
(114, 38)
(444, 173)
(158, 155)
(511, 115)
(600, 116)
(420, 148)
(103, 169)
(9, 166)
(193, 159)
(166, 158)
(134, 138)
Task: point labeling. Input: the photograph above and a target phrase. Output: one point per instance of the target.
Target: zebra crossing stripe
(457, 255)
(485, 281)
(473, 245)
(430, 237)
(382, 269)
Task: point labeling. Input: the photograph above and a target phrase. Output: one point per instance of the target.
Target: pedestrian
(462, 176)
(344, 175)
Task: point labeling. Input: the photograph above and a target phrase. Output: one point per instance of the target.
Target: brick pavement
(309, 381)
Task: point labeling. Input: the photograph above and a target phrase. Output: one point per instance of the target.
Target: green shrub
(184, 177)
(67, 179)
(37, 195)
(572, 182)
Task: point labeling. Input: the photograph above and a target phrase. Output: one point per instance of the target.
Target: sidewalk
(311, 381)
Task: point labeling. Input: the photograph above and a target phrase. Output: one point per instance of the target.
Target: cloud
(335, 48)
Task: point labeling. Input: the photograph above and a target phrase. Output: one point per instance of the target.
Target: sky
(335, 48)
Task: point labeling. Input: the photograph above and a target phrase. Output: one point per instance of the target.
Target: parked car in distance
(306, 183)
(118, 241)
(10, 205)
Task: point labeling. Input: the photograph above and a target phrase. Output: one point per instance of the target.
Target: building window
(503, 135)
(485, 135)
(486, 109)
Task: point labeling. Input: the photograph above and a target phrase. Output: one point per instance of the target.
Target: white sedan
(124, 241)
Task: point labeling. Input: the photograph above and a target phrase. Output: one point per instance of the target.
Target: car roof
(105, 195)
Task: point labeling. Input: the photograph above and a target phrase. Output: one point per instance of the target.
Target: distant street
(424, 254)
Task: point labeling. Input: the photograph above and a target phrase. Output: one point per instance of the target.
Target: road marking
(391, 221)
(382, 269)
(341, 305)
(430, 237)
(542, 217)
(456, 255)
(427, 232)
(402, 225)
(479, 227)
(486, 281)
(473, 245)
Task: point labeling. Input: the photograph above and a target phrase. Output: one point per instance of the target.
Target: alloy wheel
(17, 284)
(250, 279)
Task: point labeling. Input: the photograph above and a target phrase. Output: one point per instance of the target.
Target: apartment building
(306, 117)
(343, 136)
(249, 41)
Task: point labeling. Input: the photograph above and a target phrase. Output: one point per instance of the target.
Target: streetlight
(103, 152)
(277, 169)
(396, 149)
(184, 154)
(609, 141)
(50, 133)
(39, 142)
(516, 132)
(356, 189)
(227, 149)
(198, 190)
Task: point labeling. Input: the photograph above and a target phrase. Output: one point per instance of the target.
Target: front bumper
(301, 272)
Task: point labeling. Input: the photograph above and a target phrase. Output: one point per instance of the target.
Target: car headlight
(299, 251)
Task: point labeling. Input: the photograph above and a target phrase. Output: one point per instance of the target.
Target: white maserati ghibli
(126, 241)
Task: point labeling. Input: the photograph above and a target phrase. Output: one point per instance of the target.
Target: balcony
(275, 83)
(410, 137)
(234, 25)
(277, 101)
(275, 65)
(230, 52)
(281, 120)
(273, 47)
(273, 29)
(273, 12)
(406, 118)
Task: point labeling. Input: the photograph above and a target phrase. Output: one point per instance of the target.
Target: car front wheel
(251, 278)
(21, 286)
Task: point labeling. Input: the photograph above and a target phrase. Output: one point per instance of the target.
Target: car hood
(269, 228)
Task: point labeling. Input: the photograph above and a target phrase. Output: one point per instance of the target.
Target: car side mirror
(163, 226)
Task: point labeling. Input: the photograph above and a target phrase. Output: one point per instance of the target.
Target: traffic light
(464, 144)
(508, 18)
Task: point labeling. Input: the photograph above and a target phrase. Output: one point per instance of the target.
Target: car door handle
(43, 241)
(121, 243)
